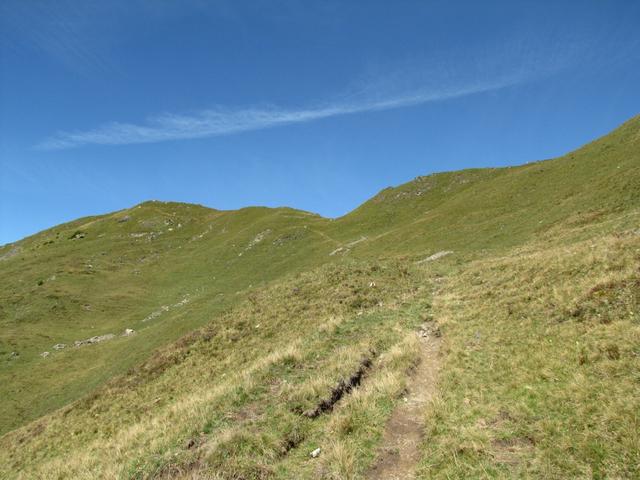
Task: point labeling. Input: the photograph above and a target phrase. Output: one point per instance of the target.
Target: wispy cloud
(224, 121)
(443, 76)
(70, 32)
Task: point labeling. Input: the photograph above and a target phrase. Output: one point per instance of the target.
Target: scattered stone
(157, 313)
(315, 453)
(59, 346)
(11, 253)
(45, 354)
(435, 256)
(128, 331)
(372, 284)
(126, 218)
(182, 302)
(14, 355)
(93, 340)
(165, 308)
(258, 238)
(429, 329)
(198, 237)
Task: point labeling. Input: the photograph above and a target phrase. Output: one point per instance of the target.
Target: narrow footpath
(400, 452)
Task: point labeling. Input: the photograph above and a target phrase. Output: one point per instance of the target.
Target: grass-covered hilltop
(474, 324)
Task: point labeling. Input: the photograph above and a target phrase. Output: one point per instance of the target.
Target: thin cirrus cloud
(436, 80)
(222, 121)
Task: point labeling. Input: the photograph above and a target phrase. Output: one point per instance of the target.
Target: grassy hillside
(245, 320)
(491, 209)
(240, 385)
(541, 364)
(139, 269)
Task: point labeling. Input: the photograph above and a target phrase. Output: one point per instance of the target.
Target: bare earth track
(400, 451)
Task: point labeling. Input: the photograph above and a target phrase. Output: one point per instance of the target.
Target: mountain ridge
(271, 279)
(632, 123)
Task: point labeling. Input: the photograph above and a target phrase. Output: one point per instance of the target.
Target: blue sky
(315, 105)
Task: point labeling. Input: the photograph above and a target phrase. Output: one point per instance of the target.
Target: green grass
(113, 278)
(245, 318)
(550, 386)
(238, 386)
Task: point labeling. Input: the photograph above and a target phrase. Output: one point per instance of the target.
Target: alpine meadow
(319, 240)
(490, 317)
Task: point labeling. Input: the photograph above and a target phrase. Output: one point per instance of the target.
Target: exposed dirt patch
(249, 413)
(509, 451)
(400, 450)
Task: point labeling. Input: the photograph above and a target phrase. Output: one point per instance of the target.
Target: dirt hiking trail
(404, 433)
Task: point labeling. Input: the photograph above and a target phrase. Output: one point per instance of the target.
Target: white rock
(93, 340)
(435, 256)
(44, 354)
(315, 453)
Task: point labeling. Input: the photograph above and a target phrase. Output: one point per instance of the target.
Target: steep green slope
(265, 281)
(237, 389)
(135, 269)
(541, 363)
(496, 208)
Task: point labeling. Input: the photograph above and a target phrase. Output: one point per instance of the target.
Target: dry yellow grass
(227, 401)
(538, 307)
(542, 362)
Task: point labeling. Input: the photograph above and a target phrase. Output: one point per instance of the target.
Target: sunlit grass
(246, 320)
